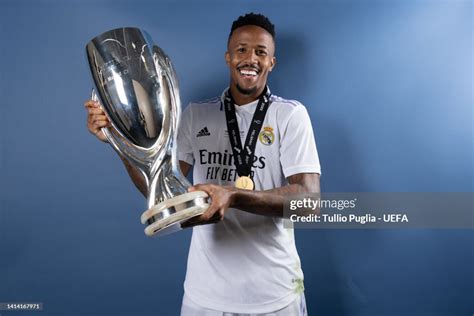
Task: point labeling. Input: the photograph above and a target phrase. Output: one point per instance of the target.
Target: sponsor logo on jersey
(221, 165)
(203, 132)
(266, 136)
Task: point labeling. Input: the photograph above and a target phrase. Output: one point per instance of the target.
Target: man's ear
(227, 58)
(273, 63)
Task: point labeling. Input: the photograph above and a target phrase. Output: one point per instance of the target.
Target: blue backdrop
(388, 85)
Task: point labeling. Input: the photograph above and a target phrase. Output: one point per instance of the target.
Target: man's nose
(251, 57)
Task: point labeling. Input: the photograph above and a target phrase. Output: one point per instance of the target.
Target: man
(246, 261)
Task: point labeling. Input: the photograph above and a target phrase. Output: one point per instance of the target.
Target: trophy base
(166, 217)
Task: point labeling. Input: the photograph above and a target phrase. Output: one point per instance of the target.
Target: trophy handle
(170, 137)
(176, 119)
(165, 170)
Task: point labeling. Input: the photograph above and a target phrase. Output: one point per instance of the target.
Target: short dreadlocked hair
(253, 19)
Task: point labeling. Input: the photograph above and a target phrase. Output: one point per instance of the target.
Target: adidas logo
(203, 132)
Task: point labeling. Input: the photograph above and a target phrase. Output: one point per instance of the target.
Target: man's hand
(96, 119)
(266, 203)
(221, 199)
(196, 221)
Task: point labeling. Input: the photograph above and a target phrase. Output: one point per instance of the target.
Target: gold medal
(244, 183)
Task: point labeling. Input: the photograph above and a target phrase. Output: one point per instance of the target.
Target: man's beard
(246, 91)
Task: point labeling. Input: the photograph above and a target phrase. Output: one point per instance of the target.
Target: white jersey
(246, 263)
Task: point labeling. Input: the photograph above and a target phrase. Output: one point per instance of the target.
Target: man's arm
(185, 167)
(267, 203)
(271, 202)
(138, 179)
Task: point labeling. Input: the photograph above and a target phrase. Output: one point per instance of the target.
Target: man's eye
(261, 53)
(241, 50)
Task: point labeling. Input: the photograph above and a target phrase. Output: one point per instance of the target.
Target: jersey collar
(244, 105)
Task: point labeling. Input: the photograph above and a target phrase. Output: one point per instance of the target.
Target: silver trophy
(139, 93)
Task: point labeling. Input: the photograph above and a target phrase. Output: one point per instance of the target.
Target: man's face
(250, 56)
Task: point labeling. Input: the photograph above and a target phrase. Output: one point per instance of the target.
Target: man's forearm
(136, 176)
(271, 202)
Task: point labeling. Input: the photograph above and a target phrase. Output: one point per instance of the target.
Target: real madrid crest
(266, 136)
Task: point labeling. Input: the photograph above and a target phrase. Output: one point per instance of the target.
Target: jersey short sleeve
(298, 153)
(185, 150)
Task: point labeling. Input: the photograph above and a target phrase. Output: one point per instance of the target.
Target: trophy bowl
(139, 93)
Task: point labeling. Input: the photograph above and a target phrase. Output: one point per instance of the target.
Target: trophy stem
(166, 183)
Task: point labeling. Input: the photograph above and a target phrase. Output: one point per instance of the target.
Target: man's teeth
(248, 72)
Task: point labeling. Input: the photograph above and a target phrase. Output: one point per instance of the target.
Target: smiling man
(249, 149)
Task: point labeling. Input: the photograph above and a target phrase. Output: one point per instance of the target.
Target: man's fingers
(197, 187)
(208, 214)
(215, 217)
(196, 221)
(100, 124)
(88, 103)
(95, 111)
(217, 208)
(91, 104)
(98, 118)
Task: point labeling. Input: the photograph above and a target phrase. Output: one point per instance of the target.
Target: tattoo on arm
(271, 202)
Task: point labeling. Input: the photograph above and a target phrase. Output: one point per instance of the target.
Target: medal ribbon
(243, 157)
